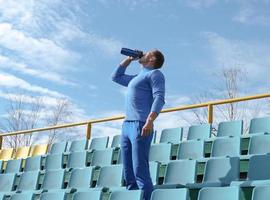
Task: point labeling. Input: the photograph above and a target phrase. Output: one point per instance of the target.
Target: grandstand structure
(229, 166)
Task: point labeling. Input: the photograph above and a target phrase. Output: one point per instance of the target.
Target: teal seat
(219, 172)
(160, 152)
(220, 193)
(171, 135)
(22, 196)
(58, 148)
(54, 162)
(228, 146)
(88, 195)
(110, 176)
(99, 143)
(102, 157)
(81, 178)
(53, 179)
(154, 172)
(7, 182)
(154, 137)
(259, 125)
(2, 196)
(258, 173)
(261, 193)
(14, 166)
(32, 164)
(78, 145)
(230, 128)
(53, 195)
(1, 167)
(77, 160)
(259, 144)
(126, 194)
(116, 141)
(191, 149)
(171, 194)
(201, 132)
(28, 181)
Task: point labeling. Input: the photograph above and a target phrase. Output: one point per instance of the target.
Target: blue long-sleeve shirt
(145, 94)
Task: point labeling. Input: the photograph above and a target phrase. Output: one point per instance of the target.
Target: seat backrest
(32, 164)
(116, 141)
(110, 176)
(87, 195)
(230, 128)
(22, 152)
(171, 135)
(222, 170)
(259, 125)
(1, 166)
(7, 182)
(193, 149)
(54, 162)
(99, 143)
(229, 146)
(202, 132)
(259, 144)
(78, 145)
(261, 192)
(6, 154)
(40, 149)
(126, 194)
(102, 157)
(81, 178)
(53, 195)
(28, 181)
(22, 196)
(58, 148)
(258, 167)
(14, 166)
(154, 172)
(53, 179)
(160, 152)
(187, 169)
(220, 193)
(77, 159)
(172, 194)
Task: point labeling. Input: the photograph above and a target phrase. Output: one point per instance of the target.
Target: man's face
(148, 59)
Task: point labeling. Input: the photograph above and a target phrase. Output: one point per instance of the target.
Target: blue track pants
(135, 155)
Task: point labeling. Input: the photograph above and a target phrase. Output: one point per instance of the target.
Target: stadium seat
(172, 194)
(160, 152)
(6, 154)
(258, 173)
(259, 144)
(7, 182)
(22, 196)
(219, 172)
(230, 128)
(80, 178)
(154, 137)
(102, 157)
(126, 194)
(171, 135)
(259, 125)
(2, 196)
(40, 149)
(53, 179)
(59, 195)
(154, 171)
(78, 145)
(201, 132)
(99, 143)
(191, 149)
(261, 193)
(22, 152)
(32, 164)
(58, 148)
(28, 181)
(14, 166)
(1, 166)
(77, 160)
(220, 193)
(54, 162)
(229, 146)
(116, 141)
(88, 195)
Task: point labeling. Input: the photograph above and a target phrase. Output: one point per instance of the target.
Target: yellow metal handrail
(210, 105)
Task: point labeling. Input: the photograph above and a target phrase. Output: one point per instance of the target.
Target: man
(144, 101)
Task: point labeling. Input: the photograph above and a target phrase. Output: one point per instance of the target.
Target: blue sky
(68, 49)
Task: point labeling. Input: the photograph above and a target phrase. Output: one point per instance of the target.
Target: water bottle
(132, 53)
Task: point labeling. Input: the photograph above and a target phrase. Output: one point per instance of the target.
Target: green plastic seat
(81, 178)
(116, 141)
(102, 157)
(54, 162)
(171, 194)
(220, 193)
(201, 132)
(77, 160)
(259, 125)
(230, 128)
(28, 181)
(227, 146)
(126, 194)
(58, 148)
(53, 179)
(171, 135)
(78, 145)
(7, 182)
(193, 149)
(33, 164)
(53, 196)
(261, 193)
(154, 172)
(22, 196)
(99, 143)
(259, 144)
(88, 195)
(14, 166)
(110, 176)
(160, 152)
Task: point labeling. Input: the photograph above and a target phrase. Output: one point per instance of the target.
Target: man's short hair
(159, 59)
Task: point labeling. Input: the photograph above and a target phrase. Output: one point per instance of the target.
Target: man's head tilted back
(153, 59)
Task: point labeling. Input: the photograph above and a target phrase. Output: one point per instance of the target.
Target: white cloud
(198, 4)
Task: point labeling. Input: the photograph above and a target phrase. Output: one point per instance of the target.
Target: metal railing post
(210, 113)
(1, 142)
(88, 131)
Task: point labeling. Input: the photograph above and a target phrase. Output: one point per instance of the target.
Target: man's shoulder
(155, 73)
